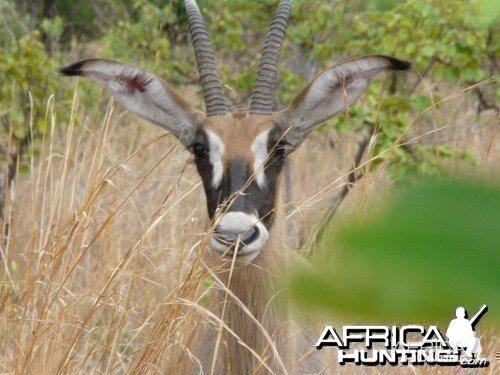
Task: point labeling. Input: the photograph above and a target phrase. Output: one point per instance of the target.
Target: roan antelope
(239, 156)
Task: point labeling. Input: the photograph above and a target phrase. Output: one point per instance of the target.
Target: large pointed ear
(143, 94)
(330, 93)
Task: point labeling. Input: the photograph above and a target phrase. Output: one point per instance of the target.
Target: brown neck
(250, 311)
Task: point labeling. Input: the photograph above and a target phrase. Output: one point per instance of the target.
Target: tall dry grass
(102, 243)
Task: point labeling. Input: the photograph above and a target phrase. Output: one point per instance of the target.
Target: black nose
(228, 236)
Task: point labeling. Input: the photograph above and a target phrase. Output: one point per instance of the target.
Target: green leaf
(434, 248)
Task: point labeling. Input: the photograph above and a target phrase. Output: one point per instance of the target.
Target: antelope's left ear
(330, 92)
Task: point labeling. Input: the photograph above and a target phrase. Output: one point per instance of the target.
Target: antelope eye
(199, 150)
(281, 149)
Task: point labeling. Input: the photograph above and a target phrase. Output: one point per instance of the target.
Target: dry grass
(101, 265)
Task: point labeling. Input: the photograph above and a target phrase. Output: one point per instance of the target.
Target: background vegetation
(453, 42)
(86, 187)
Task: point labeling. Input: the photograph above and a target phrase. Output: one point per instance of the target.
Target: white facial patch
(215, 157)
(259, 150)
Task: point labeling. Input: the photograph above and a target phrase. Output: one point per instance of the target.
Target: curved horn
(265, 84)
(213, 95)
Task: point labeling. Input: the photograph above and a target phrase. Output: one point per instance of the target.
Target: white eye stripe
(217, 148)
(259, 149)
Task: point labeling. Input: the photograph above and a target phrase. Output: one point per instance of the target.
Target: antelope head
(239, 155)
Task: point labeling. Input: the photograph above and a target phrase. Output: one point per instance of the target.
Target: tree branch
(354, 175)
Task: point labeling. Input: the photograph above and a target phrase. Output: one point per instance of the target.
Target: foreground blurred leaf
(436, 247)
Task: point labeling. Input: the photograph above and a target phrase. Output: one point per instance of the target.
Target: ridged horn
(265, 83)
(211, 86)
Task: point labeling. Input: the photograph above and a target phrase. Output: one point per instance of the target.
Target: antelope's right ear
(331, 92)
(143, 94)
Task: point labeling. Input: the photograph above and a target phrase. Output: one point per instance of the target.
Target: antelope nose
(229, 236)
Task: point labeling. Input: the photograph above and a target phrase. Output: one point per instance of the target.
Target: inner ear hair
(331, 91)
(142, 93)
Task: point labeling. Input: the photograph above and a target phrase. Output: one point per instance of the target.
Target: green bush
(455, 41)
(29, 75)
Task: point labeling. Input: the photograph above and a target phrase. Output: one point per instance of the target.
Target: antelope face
(239, 156)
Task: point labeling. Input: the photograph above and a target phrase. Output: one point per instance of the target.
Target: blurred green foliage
(435, 247)
(28, 72)
(142, 39)
(445, 41)
(455, 41)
